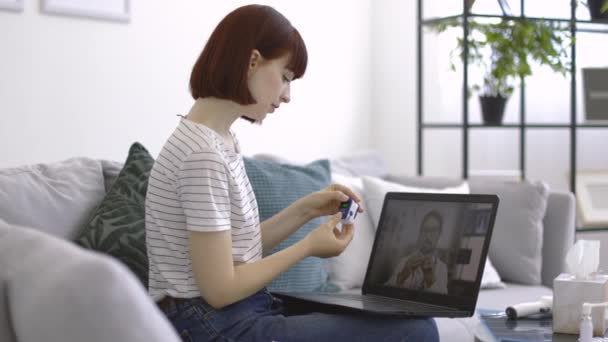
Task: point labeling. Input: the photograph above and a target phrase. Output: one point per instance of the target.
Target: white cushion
(490, 278)
(56, 197)
(60, 292)
(376, 189)
(347, 270)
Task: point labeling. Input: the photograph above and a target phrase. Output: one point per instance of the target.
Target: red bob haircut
(221, 69)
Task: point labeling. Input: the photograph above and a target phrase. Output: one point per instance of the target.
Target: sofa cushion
(60, 292)
(376, 189)
(117, 227)
(516, 247)
(347, 270)
(7, 334)
(490, 278)
(111, 169)
(513, 294)
(361, 163)
(357, 164)
(62, 193)
(434, 182)
(276, 186)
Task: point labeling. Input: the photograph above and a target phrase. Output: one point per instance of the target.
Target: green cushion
(117, 226)
(276, 186)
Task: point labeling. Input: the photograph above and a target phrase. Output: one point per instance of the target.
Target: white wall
(393, 113)
(81, 87)
(73, 86)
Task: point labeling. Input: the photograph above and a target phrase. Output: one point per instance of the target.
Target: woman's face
(269, 83)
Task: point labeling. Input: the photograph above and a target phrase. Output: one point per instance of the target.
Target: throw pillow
(490, 278)
(117, 226)
(376, 189)
(360, 163)
(276, 186)
(516, 247)
(56, 198)
(347, 270)
(61, 292)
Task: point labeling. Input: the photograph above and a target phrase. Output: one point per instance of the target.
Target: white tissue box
(569, 294)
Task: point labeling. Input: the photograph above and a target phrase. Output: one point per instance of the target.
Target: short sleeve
(203, 191)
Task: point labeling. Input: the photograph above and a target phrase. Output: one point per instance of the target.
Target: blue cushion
(276, 186)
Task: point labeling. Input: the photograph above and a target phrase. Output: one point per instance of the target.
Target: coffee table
(494, 326)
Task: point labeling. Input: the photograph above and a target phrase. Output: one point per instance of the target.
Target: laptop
(427, 260)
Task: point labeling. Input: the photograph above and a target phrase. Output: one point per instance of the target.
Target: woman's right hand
(328, 241)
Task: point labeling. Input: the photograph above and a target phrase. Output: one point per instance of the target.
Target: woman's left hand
(327, 201)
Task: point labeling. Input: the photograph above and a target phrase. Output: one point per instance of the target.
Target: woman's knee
(427, 331)
(419, 330)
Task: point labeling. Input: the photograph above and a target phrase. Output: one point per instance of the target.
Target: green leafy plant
(603, 8)
(505, 50)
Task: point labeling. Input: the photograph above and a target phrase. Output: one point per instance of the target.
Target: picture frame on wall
(114, 10)
(592, 198)
(11, 5)
(595, 89)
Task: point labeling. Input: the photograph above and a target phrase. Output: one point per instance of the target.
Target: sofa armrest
(111, 169)
(558, 236)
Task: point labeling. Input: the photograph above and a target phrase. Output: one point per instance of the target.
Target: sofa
(54, 290)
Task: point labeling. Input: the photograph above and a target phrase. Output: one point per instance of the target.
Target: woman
(205, 242)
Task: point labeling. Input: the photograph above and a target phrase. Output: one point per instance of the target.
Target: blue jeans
(261, 317)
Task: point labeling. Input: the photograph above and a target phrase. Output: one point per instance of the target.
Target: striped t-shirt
(196, 184)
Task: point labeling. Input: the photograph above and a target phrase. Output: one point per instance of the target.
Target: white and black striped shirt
(196, 184)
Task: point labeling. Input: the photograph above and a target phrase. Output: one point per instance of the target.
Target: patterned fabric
(276, 186)
(197, 183)
(117, 225)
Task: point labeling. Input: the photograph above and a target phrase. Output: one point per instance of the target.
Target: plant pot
(595, 7)
(469, 4)
(492, 109)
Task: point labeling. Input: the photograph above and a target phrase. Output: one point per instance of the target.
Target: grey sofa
(52, 290)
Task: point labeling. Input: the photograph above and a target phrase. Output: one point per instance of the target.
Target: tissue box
(569, 294)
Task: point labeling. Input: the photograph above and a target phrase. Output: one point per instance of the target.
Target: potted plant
(504, 50)
(598, 9)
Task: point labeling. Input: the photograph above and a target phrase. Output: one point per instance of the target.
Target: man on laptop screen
(423, 268)
(430, 245)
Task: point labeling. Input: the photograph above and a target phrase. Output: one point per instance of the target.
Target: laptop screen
(431, 244)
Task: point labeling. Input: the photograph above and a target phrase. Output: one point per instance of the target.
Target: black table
(494, 326)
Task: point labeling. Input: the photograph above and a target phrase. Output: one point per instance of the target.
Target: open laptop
(427, 260)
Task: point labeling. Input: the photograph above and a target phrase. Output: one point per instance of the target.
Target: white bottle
(586, 327)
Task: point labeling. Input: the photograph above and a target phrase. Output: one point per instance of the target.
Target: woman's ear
(254, 60)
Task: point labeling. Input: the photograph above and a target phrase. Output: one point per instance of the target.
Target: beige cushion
(60, 292)
(516, 249)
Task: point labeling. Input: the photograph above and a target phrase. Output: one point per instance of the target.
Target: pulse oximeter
(349, 211)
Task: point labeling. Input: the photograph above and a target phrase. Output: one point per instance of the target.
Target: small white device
(349, 211)
(541, 306)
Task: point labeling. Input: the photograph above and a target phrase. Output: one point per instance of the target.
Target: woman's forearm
(280, 226)
(251, 277)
